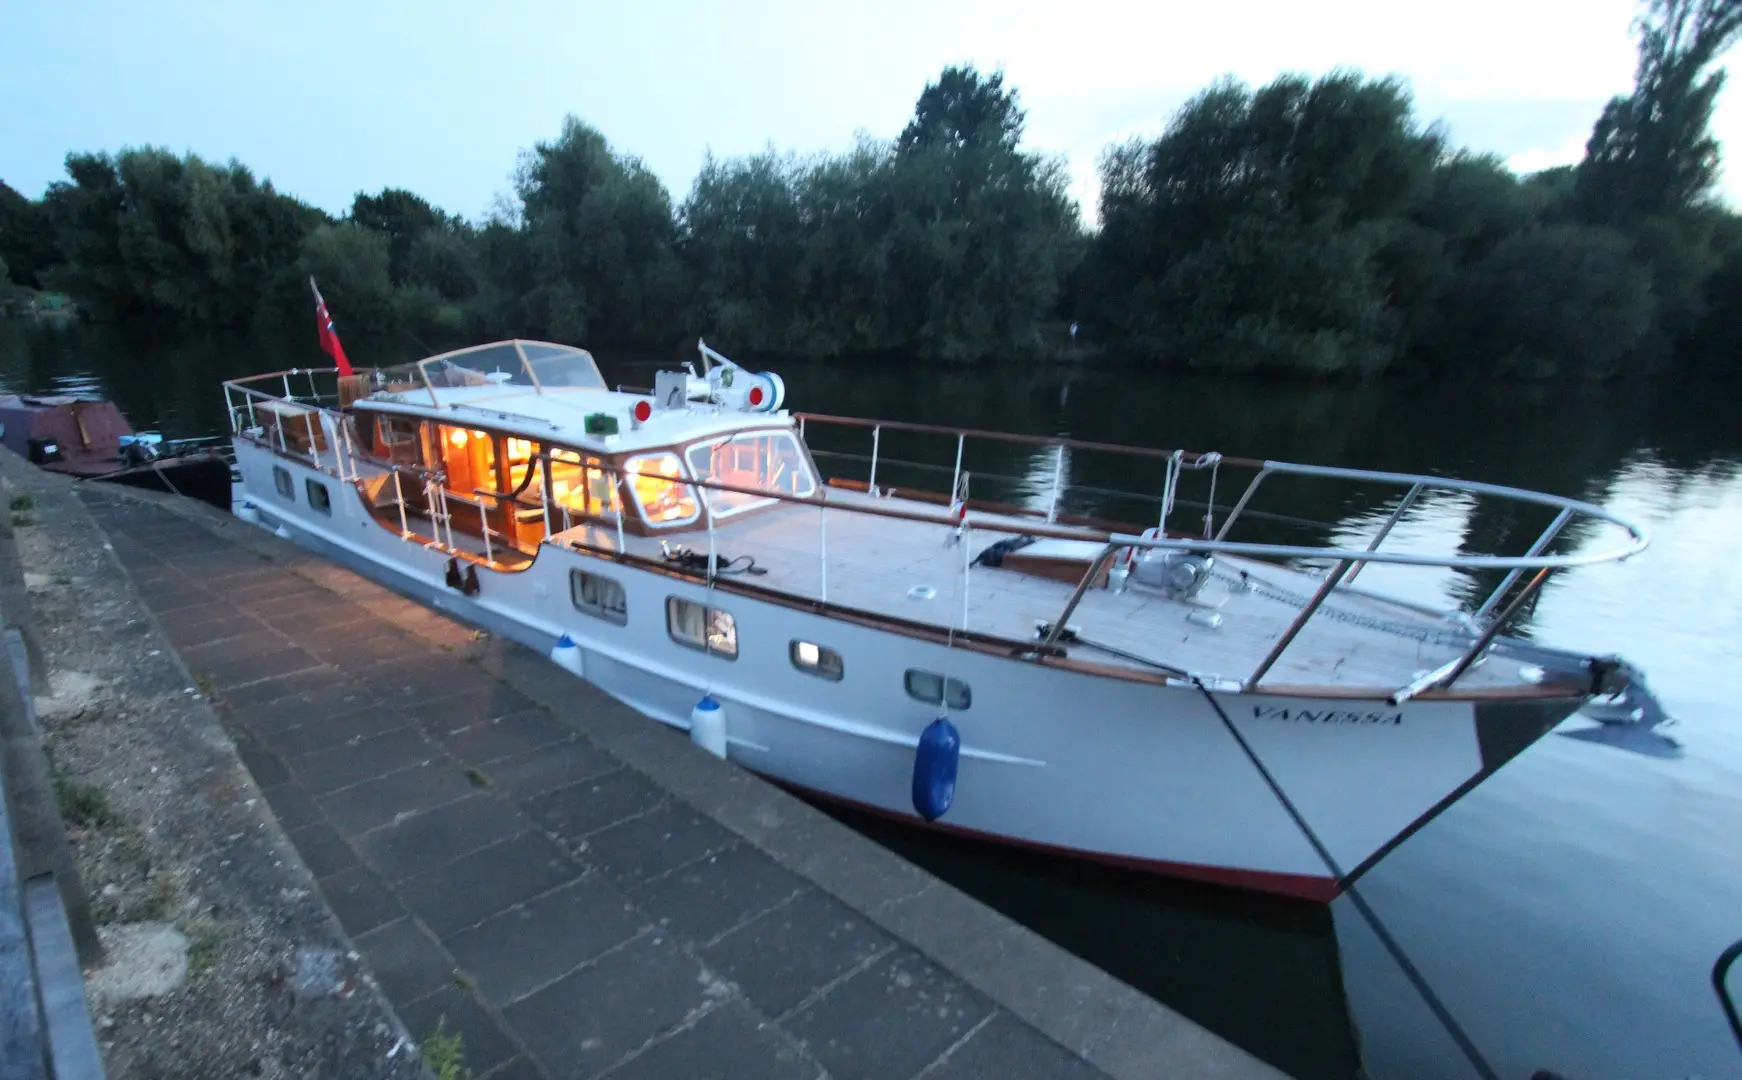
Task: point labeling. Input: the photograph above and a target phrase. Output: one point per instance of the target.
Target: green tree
(1711, 347)
(27, 240)
(445, 260)
(350, 265)
(403, 218)
(744, 230)
(150, 235)
(1652, 152)
(1257, 233)
(982, 234)
(964, 111)
(600, 242)
(87, 213)
(1560, 300)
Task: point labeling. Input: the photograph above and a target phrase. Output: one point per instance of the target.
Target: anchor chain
(1417, 632)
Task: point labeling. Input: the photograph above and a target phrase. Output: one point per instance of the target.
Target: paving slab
(793, 952)
(487, 882)
(703, 900)
(418, 843)
(592, 1018)
(655, 843)
(728, 1043)
(532, 945)
(361, 900)
(893, 1018)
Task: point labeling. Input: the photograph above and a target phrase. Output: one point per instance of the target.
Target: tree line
(1309, 226)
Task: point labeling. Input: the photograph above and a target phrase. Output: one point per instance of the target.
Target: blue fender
(934, 769)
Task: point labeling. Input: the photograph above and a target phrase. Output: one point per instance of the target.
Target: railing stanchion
(1169, 488)
(622, 507)
(1488, 635)
(967, 565)
(399, 495)
(1058, 476)
(1385, 530)
(713, 549)
(1300, 621)
(314, 446)
(876, 441)
(484, 525)
(350, 450)
(1245, 497)
(1094, 571)
(1536, 549)
(544, 490)
(956, 480)
(823, 549)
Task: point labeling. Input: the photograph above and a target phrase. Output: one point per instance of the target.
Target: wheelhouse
(512, 443)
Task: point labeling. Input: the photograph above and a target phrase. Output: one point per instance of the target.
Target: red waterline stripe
(1318, 890)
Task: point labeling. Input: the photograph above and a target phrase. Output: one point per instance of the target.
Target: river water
(1567, 911)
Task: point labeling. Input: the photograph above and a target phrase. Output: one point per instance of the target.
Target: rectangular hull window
(281, 480)
(818, 660)
(319, 497)
(700, 627)
(599, 597)
(935, 689)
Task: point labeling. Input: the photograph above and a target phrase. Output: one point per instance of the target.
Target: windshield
(764, 460)
(516, 363)
(562, 368)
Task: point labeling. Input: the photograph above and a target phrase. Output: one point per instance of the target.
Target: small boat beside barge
(1181, 701)
(89, 438)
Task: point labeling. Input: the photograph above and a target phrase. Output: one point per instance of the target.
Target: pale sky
(330, 98)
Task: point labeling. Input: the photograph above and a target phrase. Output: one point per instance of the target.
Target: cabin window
(767, 460)
(818, 660)
(398, 440)
(935, 689)
(281, 480)
(518, 455)
(658, 483)
(319, 497)
(599, 597)
(469, 458)
(701, 627)
(580, 487)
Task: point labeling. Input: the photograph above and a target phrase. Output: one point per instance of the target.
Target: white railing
(1346, 562)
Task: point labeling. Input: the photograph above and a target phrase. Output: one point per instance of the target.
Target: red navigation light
(756, 395)
(642, 411)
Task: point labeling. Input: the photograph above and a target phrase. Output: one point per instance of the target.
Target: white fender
(566, 654)
(708, 726)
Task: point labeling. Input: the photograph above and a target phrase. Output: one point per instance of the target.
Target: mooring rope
(1410, 971)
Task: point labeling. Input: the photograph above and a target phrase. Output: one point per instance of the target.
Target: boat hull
(1120, 770)
(205, 477)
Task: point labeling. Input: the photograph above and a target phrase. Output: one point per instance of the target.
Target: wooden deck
(877, 563)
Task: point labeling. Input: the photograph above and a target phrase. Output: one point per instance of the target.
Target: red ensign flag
(329, 337)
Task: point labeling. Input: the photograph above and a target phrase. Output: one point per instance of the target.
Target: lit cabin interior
(492, 484)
